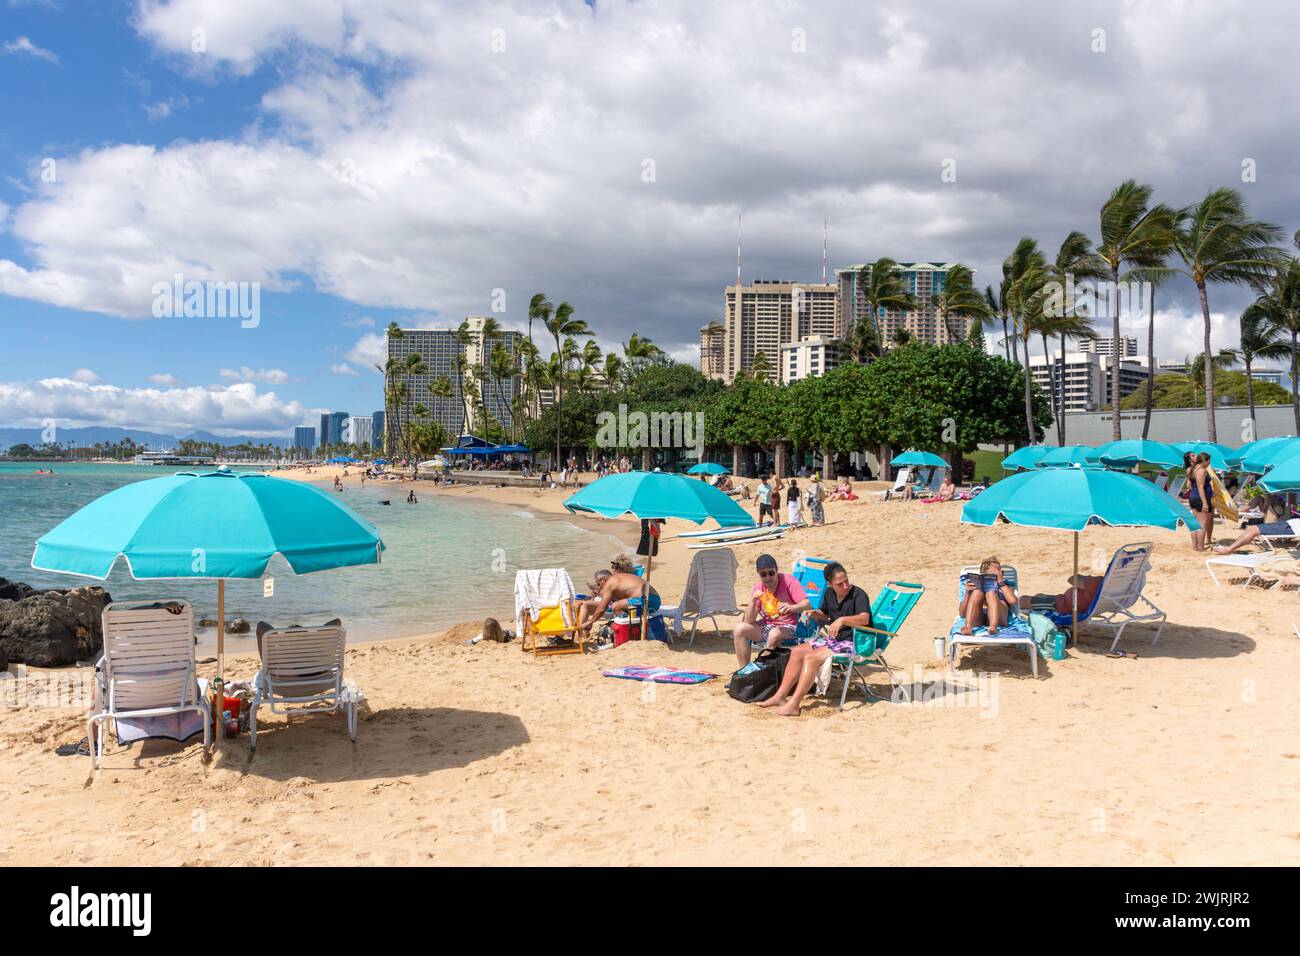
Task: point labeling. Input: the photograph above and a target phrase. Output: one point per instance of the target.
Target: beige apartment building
(766, 315)
(923, 280)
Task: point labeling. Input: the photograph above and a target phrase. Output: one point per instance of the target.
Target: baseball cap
(765, 562)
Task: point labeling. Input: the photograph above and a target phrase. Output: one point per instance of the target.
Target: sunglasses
(767, 574)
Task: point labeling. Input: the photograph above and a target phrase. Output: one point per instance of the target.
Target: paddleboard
(732, 542)
(745, 531)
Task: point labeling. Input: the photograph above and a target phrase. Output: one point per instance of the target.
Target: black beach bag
(759, 679)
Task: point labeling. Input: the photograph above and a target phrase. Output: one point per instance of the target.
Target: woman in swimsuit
(1199, 498)
(987, 600)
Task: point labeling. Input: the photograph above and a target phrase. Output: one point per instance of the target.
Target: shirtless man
(618, 589)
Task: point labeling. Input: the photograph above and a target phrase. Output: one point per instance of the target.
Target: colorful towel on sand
(660, 675)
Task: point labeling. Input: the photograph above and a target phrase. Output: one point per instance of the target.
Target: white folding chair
(303, 667)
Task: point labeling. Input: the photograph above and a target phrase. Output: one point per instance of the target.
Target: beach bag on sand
(759, 679)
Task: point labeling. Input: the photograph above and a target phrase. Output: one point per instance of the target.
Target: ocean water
(447, 559)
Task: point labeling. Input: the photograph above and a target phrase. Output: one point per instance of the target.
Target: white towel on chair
(539, 588)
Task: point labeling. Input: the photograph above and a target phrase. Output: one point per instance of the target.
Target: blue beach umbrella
(1070, 499)
(924, 459)
(1132, 451)
(1284, 477)
(1219, 454)
(1064, 455)
(1237, 458)
(1026, 457)
(216, 525)
(1269, 453)
(654, 494)
(708, 468)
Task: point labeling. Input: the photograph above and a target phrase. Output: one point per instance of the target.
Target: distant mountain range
(94, 434)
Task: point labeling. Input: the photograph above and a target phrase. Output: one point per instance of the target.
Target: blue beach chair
(1015, 633)
(892, 606)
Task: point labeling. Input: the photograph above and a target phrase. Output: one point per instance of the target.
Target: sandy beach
(1183, 752)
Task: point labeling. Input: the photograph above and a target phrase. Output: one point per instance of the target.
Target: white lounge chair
(147, 669)
(904, 478)
(1244, 562)
(1119, 601)
(1162, 481)
(710, 588)
(1176, 484)
(1008, 636)
(303, 667)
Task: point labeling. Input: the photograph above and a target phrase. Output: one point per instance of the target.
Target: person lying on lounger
(947, 491)
(1063, 603)
(988, 599)
(1273, 529)
(844, 606)
(618, 590)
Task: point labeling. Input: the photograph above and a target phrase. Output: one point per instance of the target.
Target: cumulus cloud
(232, 409)
(25, 47)
(426, 156)
(165, 379)
(85, 376)
(343, 368)
(269, 376)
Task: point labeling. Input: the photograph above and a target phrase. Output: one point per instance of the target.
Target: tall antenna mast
(823, 252)
(738, 219)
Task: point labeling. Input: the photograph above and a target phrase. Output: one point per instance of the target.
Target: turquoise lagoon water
(442, 564)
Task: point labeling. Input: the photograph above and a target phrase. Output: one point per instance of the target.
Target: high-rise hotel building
(439, 348)
(923, 280)
(713, 350)
(765, 315)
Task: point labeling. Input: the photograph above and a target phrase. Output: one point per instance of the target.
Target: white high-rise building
(358, 430)
(771, 314)
(811, 356)
(1105, 345)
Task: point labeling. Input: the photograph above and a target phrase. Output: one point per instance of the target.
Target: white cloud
(398, 161)
(165, 379)
(25, 46)
(365, 322)
(164, 108)
(229, 409)
(85, 376)
(343, 368)
(371, 350)
(269, 376)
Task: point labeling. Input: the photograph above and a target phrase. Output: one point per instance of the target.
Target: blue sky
(369, 161)
(106, 82)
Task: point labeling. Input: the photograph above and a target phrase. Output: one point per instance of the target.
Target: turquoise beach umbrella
(1219, 454)
(214, 525)
(924, 459)
(1269, 453)
(1284, 477)
(1026, 457)
(654, 494)
(1064, 455)
(708, 468)
(1237, 458)
(1070, 499)
(1131, 451)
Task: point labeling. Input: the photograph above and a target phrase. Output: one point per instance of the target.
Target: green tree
(880, 286)
(1280, 302)
(959, 298)
(1260, 337)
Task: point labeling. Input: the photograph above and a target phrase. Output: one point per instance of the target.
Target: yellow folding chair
(556, 621)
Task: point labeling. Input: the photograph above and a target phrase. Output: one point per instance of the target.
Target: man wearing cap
(773, 611)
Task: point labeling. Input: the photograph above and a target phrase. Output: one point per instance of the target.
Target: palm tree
(638, 352)
(760, 368)
(901, 336)
(996, 310)
(1260, 338)
(488, 333)
(1024, 276)
(959, 297)
(539, 309)
(880, 286)
(562, 324)
(413, 365)
(613, 369)
(460, 365)
(1225, 359)
(1133, 234)
(1074, 260)
(1281, 302)
(1218, 243)
(394, 331)
(504, 366)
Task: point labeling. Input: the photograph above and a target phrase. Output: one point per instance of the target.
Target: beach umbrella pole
(645, 596)
(219, 684)
(1074, 591)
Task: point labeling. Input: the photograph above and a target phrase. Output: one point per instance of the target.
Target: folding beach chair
(1015, 633)
(1249, 563)
(303, 667)
(930, 488)
(904, 478)
(892, 606)
(1176, 484)
(811, 575)
(147, 669)
(710, 590)
(1162, 481)
(546, 609)
(1119, 601)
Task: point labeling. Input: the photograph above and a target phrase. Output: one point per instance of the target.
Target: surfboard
(732, 542)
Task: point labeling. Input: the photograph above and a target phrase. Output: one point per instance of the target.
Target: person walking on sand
(844, 606)
(764, 495)
(794, 505)
(816, 496)
(777, 486)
